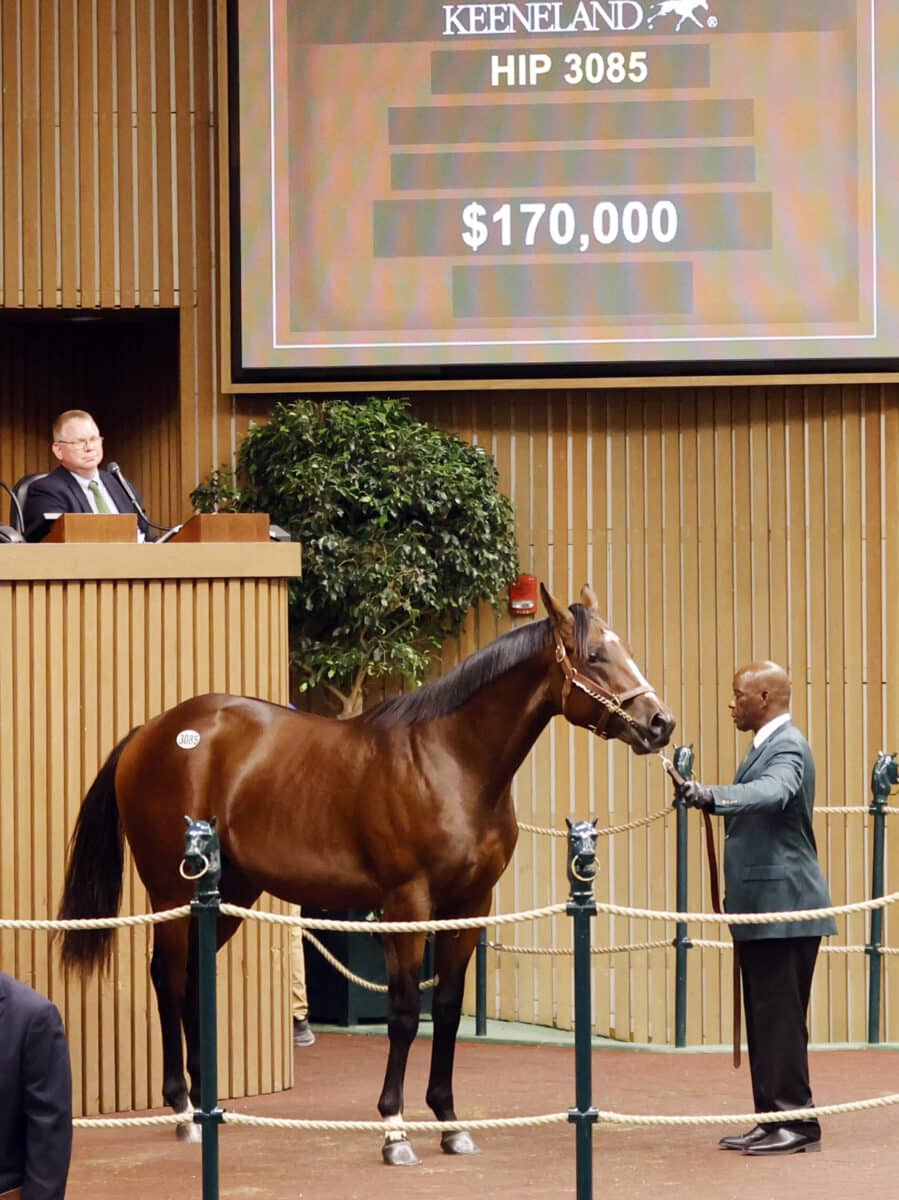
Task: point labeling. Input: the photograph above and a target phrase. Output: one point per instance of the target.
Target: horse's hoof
(457, 1141)
(399, 1154)
(190, 1131)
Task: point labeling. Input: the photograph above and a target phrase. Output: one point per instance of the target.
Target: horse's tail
(93, 886)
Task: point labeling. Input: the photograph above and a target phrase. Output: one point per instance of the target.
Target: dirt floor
(340, 1076)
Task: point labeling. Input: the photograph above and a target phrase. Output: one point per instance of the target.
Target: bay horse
(406, 808)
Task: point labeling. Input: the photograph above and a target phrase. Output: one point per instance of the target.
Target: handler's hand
(696, 795)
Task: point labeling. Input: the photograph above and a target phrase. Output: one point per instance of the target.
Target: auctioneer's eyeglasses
(84, 443)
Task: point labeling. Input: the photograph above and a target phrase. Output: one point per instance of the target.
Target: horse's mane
(450, 692)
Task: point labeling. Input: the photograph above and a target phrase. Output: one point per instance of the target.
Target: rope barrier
(549, 910)
(768, 1118)
(344, 970)
(397, 1125)
(657, 945)
(605, 1117)
(638, 822)
(182, 1118)
(617, 910)
(768, 918)
(168, 914)
(663, 943)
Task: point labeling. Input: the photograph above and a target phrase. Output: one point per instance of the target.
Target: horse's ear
(588, 598)
(212, 821)
(568, 823)
(560, 616)
(187, 819)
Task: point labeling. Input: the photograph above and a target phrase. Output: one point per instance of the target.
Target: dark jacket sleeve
(48, 1106)
(45, 495)
(771, 791)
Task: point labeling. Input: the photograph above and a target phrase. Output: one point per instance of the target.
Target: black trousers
(777, 980)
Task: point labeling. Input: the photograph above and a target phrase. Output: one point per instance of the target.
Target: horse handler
(35, 1095)
(771, 865)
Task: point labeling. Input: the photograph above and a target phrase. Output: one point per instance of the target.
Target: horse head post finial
(581, 858)
(884, 776)
(683, 761)
(202, 859)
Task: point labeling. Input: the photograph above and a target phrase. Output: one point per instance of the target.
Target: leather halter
(611, 703)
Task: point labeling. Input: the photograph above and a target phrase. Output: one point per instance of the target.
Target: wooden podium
(224, 527)
(93, 527)
(95, 638)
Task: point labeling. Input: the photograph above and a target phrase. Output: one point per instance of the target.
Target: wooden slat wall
(107, 202)
(81, 663)
(715, 523)
(717, 526)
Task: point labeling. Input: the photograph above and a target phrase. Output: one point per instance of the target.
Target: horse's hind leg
(404, 953)
(452, 953)
(226, 927)
(168, 971)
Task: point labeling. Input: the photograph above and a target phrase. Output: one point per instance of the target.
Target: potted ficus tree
(403, 529)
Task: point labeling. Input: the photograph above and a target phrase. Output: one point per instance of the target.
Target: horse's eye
(594, 656)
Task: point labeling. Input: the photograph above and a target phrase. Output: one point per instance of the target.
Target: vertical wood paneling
(715, 525)
(113, 646)
(107, 197)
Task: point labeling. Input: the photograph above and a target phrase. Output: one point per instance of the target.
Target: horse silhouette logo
(682, 9)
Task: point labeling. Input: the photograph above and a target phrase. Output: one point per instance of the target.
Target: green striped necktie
(99, 499)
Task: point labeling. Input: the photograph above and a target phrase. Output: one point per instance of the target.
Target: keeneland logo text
(542, 16)
(565, 16)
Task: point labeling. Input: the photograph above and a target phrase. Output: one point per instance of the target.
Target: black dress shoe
(743, 1140)
(784, 1141)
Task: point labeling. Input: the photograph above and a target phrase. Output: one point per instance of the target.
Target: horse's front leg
(453, 951)
(404, 953)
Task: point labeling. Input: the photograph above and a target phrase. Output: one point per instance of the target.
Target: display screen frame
(239, 374)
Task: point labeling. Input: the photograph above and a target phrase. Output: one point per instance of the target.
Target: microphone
(16, 505)
(116, 470)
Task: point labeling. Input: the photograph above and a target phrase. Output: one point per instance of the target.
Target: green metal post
(480, 1011)
(683, 764)
(581, 907)
(205, 908)
(884, 775)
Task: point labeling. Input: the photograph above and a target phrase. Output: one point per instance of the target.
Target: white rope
(767, 1118)
(605, 1117)
(182, 1118)
(767, 918)
(169, 914)
(618, 910)
(706, 944)
(397, 1124)
(661, 943)
(335, 962)
(848, 808)
(400, 1125)
(551, 910)
(637, 823)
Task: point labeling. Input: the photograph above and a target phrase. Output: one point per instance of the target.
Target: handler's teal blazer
(770, 855)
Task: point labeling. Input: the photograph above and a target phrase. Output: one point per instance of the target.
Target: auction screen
(422, 188)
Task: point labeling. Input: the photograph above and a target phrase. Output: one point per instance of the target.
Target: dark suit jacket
(35, 1094)
(59, 492)
(770, 854)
